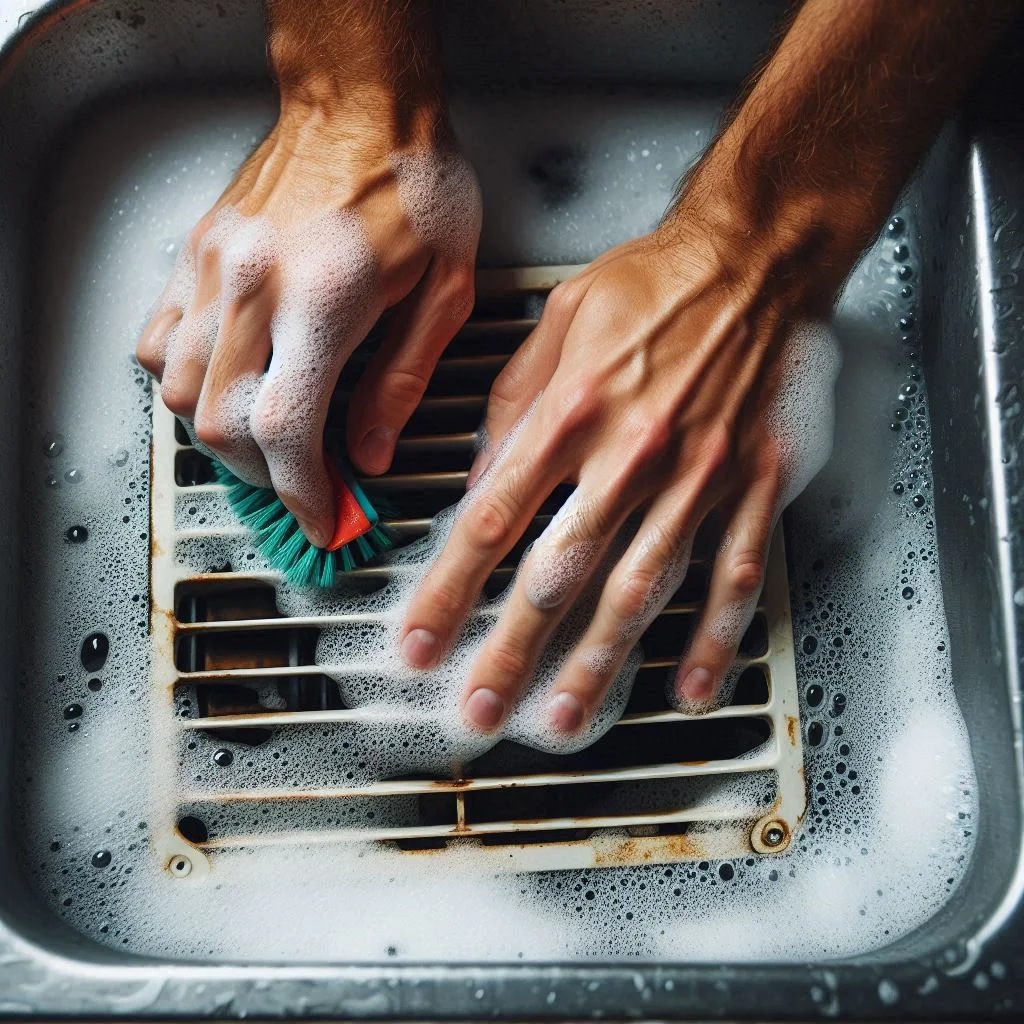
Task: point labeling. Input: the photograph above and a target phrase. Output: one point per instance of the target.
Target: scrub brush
(358, 535)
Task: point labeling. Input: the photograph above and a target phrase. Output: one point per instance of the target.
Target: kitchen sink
(119, 123)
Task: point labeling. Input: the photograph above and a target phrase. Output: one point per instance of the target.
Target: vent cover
(234, 679)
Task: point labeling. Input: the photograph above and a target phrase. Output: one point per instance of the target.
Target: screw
(774, 834)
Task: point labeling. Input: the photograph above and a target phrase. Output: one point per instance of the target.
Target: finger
(151, 351)
(490, 521)
(394, 381)
(177, 295)
(528, 372)
(224, 411)
(190, 343)
(311, 339)
(736, 582)
(637, 590)
(553, 575)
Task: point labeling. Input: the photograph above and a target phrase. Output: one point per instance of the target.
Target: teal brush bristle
(284, 545)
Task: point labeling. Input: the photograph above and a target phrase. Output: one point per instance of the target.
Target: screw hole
(180, 866)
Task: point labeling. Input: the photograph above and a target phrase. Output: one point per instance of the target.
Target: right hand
(336, 217)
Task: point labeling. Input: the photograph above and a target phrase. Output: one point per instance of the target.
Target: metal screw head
(179, 866)
(774, 835)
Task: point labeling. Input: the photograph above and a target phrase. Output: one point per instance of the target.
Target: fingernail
(375, 449)
(566, 712)
(313, 533)
(697, 685)
(421, 648)
(484, 710)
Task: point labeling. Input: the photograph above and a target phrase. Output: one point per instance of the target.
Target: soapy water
(890, 825)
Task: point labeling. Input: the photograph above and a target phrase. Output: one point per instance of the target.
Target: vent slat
(287, 672)
(469, 830)
(676, 770)
(369, 716)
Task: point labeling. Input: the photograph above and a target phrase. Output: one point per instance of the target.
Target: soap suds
(878, 709)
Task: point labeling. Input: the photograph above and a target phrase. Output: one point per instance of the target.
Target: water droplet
(52, 481)
(101, 859)
(94, 651)
(95, 685)
(73, 711)
(223, 758)
(900, 413)
(906, 323)
(815, 734)
(904, 273)
(54, 846)
(906, 291)
(77, 534)
(815, 695)
(838, 704)
(918, 501)
(810, 644)
(895, 425)
(74, 476)
(121, 457)
(910, 389)
(897, 488)
(908, 593)
(896, 226)
(901, 253)
(53, 445)
(726, 872)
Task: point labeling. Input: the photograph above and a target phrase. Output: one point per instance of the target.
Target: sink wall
(71, 55)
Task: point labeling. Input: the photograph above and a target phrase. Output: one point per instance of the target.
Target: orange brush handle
(351, 521)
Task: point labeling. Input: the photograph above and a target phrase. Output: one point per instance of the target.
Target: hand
(667, 388)
(337, 217)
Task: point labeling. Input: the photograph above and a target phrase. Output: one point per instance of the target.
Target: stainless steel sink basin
(78, 78)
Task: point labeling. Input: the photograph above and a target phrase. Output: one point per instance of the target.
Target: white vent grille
(656, 788)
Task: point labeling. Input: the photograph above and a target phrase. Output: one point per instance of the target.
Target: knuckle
(595, 521)
(561, 298)
(647, 442)
(580, 402)
(630, 593)
(403, 387)
(506, 662)
(443, 601)
(746, 572)
(510, 385)
(209, 430)
(717, 447)
(461, 293)
(179, 399)
(489, 520)
(149, 358)
(272, 420)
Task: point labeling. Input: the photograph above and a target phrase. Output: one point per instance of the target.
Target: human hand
(356, 203)
(666, 386)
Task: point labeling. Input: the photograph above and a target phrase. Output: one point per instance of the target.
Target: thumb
(398, 373)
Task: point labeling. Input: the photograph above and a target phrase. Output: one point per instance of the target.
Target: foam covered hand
(669, 389)
(356, 203)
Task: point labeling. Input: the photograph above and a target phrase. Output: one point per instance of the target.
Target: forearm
(371, 63)
(830, 129)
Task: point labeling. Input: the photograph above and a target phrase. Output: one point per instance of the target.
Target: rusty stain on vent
(650, 791)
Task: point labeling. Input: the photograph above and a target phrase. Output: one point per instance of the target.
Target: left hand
(655, 368)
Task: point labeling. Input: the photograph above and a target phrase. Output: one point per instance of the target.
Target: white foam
(440, 195)
(875, 867)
